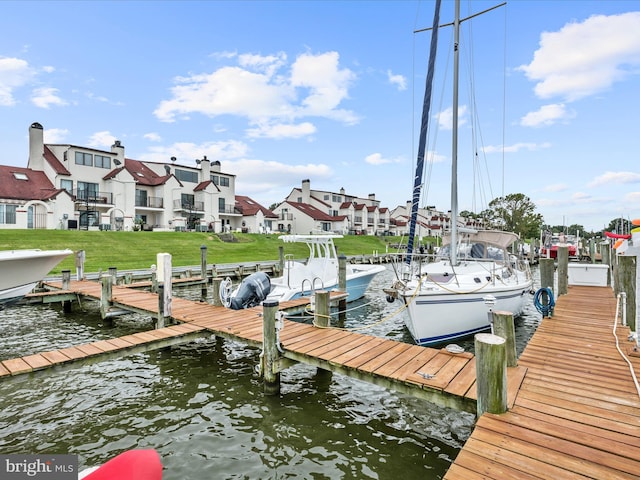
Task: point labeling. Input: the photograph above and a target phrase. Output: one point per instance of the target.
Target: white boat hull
(358, 281)
(21, 270)
(443, 317)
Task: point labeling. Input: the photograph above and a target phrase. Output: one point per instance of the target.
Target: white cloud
(547, 115)
(14, 73)
(516, 147)
(378, 159)
(45, 97)
(398, 80)
(585, 58)
(153, 137)
(55, 135)
(101, 139)
(615, 178)
(556, 187)
(278, 131)
(262, 90)
(445, 118)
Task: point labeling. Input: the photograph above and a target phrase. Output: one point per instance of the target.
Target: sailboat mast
(454, 142)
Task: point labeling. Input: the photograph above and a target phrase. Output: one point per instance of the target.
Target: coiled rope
(545, 310)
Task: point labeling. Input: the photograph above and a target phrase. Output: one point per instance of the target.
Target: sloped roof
(27, 185)
(250, 207)
(313, 212)
(143, 174)
(55, 162)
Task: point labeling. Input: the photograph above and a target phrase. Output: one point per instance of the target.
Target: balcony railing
(188, 206)
(89, 196)
(286, 216)
(150, 202)
(230, 209)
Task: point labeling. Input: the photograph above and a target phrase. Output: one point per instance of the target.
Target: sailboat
(452, 295)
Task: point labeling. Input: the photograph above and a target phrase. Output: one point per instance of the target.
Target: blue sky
(331, 91)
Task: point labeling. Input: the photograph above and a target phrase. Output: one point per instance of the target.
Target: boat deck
(577, 414)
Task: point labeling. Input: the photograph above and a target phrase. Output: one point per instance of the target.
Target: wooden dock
(574, 410)
(577, 413)
(436, 375)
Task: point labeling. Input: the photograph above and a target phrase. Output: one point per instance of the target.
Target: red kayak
(130, 465)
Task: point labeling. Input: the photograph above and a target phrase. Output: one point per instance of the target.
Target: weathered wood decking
(433, 374)
(577, 413)
(574, 409)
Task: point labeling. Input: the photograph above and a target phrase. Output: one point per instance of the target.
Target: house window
(103, 162)
(67, 185)
(224, 182)
(141, 198)
(20, 176)
(326, 226)
(221, 204)
(187, 176)
(8, 214)
(215, 179)
(84, 159)
(337, 198)
(87, 191)
(188, 201)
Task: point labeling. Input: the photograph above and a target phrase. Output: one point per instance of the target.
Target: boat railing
(312, 286)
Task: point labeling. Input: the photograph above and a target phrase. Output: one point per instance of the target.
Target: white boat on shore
(319, 272)
(21, 270)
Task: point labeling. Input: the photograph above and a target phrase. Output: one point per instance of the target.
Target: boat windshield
(475, 250)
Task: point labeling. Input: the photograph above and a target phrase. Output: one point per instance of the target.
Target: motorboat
(302, 278)
(21, 270)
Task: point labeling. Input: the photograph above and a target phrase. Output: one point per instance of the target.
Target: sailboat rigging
(448, 298)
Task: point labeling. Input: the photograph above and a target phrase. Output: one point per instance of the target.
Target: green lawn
(137, 250)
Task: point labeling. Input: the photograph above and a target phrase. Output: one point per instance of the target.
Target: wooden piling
(164, 288)
(217, 301)
(627, 266)
(79, 258)
(105, 295)
(203, 272)
(491, 373)
(322, 309)
(563, 270)
(270, 353)
(342, 286)
(66, 282)
(547, 268)
(504, 326)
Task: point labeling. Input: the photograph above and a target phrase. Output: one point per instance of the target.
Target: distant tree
(619, 225)
(516, 212)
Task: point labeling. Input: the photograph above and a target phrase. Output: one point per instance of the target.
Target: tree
(516, 213)
(619, 225)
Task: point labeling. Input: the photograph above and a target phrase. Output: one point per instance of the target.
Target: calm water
(201, 405)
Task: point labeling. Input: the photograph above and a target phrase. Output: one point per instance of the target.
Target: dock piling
(322, 309)
(504, 326)
(491, 373)
(270, 353)
(342, 285)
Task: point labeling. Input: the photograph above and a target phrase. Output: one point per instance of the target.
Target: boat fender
(390, 299)
(253, 290)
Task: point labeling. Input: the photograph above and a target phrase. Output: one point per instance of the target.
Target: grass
(138, 250)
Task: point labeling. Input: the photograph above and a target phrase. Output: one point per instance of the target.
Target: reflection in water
(201, 405)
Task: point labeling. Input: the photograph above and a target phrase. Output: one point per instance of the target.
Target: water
(201, 405)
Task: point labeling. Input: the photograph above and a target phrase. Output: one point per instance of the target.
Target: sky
(331, 91)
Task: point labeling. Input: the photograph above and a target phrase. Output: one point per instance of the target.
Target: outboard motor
(253, 290)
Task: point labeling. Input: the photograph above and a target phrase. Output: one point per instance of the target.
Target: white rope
(615, 324)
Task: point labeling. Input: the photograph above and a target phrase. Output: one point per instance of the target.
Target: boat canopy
(493, 237)
(320, 238)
